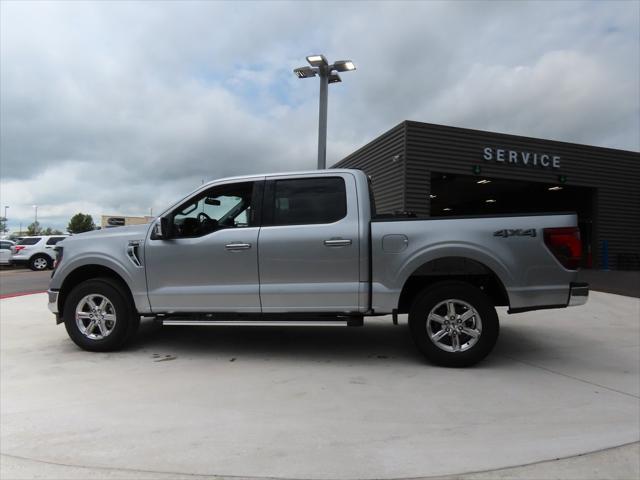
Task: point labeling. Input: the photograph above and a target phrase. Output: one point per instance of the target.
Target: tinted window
(308, 201)
(5, 245)
(54, 240)
(29, 241)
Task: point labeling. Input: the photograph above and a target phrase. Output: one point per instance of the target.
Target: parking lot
(320, 403)
(18, 281)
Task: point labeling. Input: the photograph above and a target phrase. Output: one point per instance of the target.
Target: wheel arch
(459, 268)
(87, 272)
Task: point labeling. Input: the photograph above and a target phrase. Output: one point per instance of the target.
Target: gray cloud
(117, 107)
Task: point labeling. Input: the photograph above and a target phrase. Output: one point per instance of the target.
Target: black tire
(122, 330)
(469, 350)
(36, 263)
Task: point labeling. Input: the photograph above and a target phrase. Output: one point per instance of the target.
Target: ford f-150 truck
(308, 249)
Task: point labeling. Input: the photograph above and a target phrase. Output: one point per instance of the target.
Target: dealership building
(110, 221)
(440, 171)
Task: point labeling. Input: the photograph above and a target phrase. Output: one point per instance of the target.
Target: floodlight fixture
(320, 67)
(334, 78)
(344, 66)
(305, 72)
(317, 61)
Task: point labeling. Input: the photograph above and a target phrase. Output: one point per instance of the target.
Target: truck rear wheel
(99, 316)
(453, 324)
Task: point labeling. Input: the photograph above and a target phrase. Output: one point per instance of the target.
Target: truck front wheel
(453, 324)
(99, 316)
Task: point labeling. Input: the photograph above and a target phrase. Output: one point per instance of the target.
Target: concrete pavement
(618, 463)
(321, 403)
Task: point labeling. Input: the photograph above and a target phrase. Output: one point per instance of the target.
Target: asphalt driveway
(14, 280)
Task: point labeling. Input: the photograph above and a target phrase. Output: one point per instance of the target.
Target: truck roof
(327, 171)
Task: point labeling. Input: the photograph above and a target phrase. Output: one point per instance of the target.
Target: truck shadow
(376, 341)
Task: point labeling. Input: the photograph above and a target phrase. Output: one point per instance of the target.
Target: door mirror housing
(161, 229)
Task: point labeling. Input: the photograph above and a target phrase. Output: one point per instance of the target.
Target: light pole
(35, 222)
(327, 73)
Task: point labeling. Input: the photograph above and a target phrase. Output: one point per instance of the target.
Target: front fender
(133, 277)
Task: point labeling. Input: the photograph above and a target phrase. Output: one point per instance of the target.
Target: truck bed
(510, 246)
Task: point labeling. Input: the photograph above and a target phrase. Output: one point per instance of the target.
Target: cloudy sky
(118, 107)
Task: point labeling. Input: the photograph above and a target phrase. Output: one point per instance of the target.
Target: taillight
(17, 248)
(565, 244)
(59, 251)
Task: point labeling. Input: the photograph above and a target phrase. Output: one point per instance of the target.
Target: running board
(259, 323)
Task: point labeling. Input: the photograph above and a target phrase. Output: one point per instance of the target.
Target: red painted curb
(21, 294)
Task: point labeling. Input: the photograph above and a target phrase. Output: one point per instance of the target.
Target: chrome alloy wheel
(40, 263)
(454, 326)
(95, 316)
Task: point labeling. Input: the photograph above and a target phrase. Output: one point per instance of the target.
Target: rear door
(309, 244)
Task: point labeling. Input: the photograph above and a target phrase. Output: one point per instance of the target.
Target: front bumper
(578, 294)
(53, 301)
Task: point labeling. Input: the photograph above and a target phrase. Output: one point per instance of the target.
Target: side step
(262, 323)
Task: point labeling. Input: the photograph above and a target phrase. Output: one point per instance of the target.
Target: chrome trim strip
(337, 242)
(256, 323)
(237, 246)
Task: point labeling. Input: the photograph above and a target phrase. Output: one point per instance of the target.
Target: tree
(51, 231)
(81, 222)
(3, 225)
(34, 228)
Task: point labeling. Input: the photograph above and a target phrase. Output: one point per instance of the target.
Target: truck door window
(309, 201)
(223, 206)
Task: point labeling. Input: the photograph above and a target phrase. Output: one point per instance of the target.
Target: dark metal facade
(401, 160)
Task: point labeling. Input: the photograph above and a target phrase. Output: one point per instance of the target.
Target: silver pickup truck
(307, 249)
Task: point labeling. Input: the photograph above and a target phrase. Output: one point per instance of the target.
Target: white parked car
(5, 251)
(36, 252)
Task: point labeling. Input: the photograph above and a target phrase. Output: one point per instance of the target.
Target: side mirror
(161, 229)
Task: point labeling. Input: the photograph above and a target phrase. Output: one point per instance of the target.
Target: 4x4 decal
(518, 232)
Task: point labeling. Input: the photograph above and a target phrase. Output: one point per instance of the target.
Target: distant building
(110, 221)
(441, 171)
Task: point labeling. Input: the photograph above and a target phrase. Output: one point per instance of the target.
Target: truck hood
(132, 232)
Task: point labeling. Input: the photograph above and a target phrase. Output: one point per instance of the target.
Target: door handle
(237, 246)
(337, 242)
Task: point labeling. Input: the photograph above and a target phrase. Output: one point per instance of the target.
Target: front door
(309, 245)
(210, 263)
